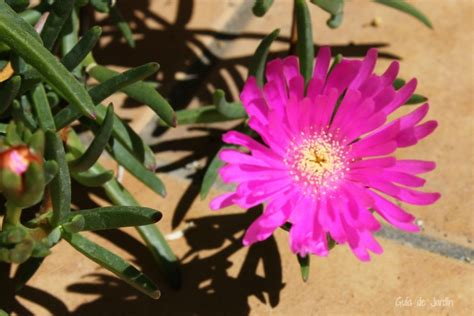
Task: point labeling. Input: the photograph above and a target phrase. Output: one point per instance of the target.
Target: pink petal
(275, 214)
(414, 166)
(401, 97)
(222, 201)
(365, 70)
(391, 73)
(322, 63)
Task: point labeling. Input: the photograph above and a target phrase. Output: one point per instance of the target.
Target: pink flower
(325, 164)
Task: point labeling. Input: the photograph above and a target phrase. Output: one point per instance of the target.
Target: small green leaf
(60, 186)
(211, 175)
(304, 266)
(90, 179)
(42, 108)
(416, 99)
(101, 5)
(204, 114)
(117, 216)
(70, 33)
(259, 59)
(403, 6)
(22, 38)
(92, 154)
(122, 25)
(162, 253)
(120, 81)
(105, 89)
(75, 223)
(141, 92)
(232, 110)
(8, 92)
(21, 112)
(398, 83)
(137, 169)
(30, 16)
(261, 7)
(58, 15)
(304, 46)
(334, 8)
(85, 45)
(113, 263)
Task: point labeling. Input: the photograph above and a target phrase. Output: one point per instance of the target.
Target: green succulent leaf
(92, 154)
(30, 16)
(113, 263)
(122, 25)
(407, 8)
(203, 114)
(120, 81)
(58, 15)
(101, 5)
(141, 92)
(22, 38)
(259, 59)
(91, 179)
(8, 92)
(42, 108)
(82, 48)
(105, 89)
(70, 36)
(232, 110)
(116, 216)
(136, 168)
(75, 223)
(121, 132)
(261, 7)
(60, 186)
(304, 266)
(334, 8)
(304, 46)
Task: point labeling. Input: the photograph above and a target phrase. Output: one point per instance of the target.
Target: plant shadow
(210, 286)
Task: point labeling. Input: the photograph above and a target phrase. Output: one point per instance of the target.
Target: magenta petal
(401, 97)
(384, 162)
(414, 166)
(425, 129)
(274, 215)
(365, 70)
(322, 63)
(404, 194)
(222, 201)
(291, 68)
(391, 73)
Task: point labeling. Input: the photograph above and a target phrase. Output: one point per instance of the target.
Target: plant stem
(12, 216)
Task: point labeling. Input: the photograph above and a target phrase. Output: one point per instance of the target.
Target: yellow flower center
(316, 161)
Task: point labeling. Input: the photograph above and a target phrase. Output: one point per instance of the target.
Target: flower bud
(21, 176)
